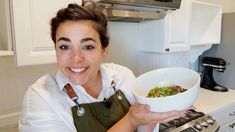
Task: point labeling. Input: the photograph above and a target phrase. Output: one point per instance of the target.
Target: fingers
(154, 117)
(159, 117)
(172, 117)
(141, 114)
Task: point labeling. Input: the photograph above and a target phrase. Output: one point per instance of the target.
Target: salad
(165, 91)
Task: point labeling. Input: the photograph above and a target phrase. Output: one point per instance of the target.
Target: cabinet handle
(167, 49)
(232, 125)
(232, 114)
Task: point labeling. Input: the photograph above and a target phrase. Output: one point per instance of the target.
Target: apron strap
(113, 85)
(81, 111)
(71, 93)
(98, 116)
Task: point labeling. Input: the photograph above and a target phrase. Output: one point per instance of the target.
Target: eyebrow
(87, 39)
(82, 41)
(64, 39)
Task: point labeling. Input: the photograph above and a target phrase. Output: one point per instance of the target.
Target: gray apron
(98, 116)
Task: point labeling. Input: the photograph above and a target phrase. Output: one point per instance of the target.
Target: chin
(78, 82)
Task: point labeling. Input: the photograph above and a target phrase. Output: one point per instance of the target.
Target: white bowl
(183, 77)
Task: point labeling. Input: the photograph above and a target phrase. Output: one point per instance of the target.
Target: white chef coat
(47, 107)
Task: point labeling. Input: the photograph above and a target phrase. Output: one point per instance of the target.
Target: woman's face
(79, 51)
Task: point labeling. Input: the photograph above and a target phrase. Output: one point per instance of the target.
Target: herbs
(165, 91)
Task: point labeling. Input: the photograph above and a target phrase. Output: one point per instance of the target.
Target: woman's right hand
(141, 115)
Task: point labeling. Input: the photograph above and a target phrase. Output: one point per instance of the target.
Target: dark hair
(89, 12)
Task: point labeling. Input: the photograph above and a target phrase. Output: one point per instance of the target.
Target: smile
(77, 70)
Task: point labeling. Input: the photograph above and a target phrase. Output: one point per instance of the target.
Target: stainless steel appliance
(208, 81)
(137, 10)
(193, 122)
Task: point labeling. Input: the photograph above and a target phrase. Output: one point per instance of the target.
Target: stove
(193, 121)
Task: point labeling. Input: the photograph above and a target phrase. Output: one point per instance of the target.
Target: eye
(63, 47)
(88, 47)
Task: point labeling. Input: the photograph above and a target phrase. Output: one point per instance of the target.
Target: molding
(9, 119)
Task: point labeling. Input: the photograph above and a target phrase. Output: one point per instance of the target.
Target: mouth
(78, 70)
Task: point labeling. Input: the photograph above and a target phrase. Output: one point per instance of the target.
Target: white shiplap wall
(151, 60)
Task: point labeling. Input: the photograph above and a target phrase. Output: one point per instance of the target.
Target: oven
(193, 121)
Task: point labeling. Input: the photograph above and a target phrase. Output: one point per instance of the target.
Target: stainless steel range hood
(137, 10)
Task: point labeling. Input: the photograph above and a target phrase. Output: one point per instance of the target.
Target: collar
(61, 80)
(107, 71)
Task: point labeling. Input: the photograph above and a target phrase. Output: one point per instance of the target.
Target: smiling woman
(85, 89)
(79, 53)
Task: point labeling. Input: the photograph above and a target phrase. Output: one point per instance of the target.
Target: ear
(105, 52)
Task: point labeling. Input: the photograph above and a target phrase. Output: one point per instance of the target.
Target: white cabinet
(205, 23)
(229, 127)
(5, 29)
(195, 23)
(31, 18)
(169, 34)
(226, 118)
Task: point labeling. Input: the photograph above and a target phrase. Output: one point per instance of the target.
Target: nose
(77, 56)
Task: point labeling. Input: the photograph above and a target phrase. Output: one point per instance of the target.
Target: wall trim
(9, 119)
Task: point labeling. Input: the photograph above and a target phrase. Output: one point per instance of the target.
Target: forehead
(76, 28)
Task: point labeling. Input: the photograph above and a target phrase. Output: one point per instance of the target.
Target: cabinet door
(225, 114)
(5, 29)
(169, 34)
(31, 31)
(206, 20)
(229, 127)
(176, 28)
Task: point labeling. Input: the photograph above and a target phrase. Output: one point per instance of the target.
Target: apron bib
(98, 116)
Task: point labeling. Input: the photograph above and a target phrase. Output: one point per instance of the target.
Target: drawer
(228, 127)
(225, 114)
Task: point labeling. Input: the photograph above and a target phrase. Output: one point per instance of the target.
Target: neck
(94, 87)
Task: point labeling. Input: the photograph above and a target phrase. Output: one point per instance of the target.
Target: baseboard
(9, 119)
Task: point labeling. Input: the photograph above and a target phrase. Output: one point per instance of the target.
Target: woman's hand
(141, 115)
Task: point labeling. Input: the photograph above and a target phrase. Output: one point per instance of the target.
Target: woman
(85, 94)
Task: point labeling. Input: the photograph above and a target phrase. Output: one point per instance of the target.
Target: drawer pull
(232, 125)
(232, 114)
(167, 49)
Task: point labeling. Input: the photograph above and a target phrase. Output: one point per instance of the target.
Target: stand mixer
(208, 81)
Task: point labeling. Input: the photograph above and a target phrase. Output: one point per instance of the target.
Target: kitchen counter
(209, 101)
(220, 105)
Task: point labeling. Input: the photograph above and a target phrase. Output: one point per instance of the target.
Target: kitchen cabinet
(226, 118)
(230, 127)
(195, 23)
(220, 105)
(205, 23)
(33, 44)
(5, 29)
(169, 34)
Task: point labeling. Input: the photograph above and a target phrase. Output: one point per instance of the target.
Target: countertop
(209, 101)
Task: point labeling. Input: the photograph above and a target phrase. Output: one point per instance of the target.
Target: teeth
(77, 69)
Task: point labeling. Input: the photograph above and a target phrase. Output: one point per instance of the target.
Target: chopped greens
(165, 91)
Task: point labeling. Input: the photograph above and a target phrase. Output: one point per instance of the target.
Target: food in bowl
(165, 91)
(184, 77)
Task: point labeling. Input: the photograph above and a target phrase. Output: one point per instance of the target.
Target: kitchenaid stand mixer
(208, 81)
